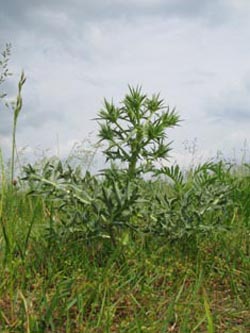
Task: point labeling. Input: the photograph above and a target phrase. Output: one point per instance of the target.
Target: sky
(196, 54)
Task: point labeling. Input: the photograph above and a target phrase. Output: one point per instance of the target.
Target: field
(141, 246)
(58, 277)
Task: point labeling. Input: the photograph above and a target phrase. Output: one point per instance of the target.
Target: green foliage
(99, 207)
(116, 252)
(144, 284)
(198, 203)
(136, 131)
(88, 208)
(118, 200)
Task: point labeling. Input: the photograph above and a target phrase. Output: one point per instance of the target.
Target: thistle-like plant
(104, 207)
(135, 132)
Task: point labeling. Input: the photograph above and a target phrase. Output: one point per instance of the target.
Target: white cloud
(71, 62)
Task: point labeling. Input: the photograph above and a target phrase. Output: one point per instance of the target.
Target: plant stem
(13, 151)
(16, 109)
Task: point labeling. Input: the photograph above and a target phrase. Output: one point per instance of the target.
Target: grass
(120, 253)
(145, 284)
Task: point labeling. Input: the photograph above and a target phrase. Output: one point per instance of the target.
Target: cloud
(233, 105)
(6, 120)
(65, 12)
(76, 52)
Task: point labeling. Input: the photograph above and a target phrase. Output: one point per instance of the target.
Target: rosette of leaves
(67, 195)
(83, 207)
(198, 203)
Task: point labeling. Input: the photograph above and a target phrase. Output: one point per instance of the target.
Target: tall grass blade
(210, 324)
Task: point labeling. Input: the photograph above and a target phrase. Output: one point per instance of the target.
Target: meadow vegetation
(141, 246)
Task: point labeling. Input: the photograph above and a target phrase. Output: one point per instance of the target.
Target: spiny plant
(135, 132)
(83, 207)
(198, 203)
(117, 199)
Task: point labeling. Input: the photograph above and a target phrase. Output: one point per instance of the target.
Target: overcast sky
(76, 52)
